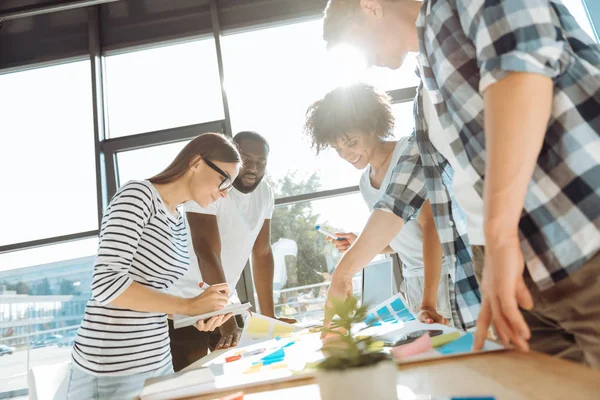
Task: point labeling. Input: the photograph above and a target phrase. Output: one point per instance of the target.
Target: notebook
(181, 321)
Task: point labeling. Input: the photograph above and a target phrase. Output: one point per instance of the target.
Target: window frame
(106, 150)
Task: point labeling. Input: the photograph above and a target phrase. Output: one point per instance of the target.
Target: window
(272, 76)
(145, 163)
(577, 8)
(304, 261)
(43, 292)
(405, 123)
(47, 153)
(164, 87)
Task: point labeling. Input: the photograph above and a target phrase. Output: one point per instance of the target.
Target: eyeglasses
(227, 183)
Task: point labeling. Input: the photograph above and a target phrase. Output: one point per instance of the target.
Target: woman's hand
(212, 299)
(339, 290)
(212, 323)
(431, 316)
(344, 242)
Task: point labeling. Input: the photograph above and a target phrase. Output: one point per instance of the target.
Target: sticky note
(421, 345)
(397, 305)
(376, 346)
(438, 341)
(280, 365)
(274, 357)
(405, 315)
(258, 325)
(462, 345)
(371, 319)
(281, 328)
(384, 313)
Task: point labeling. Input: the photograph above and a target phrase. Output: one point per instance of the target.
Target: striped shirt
(141, 241)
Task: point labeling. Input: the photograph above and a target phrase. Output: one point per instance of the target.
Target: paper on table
(181, 321)
(462, 345)
(181, 384)
(258, 328)
(419, 346)
(391, 310)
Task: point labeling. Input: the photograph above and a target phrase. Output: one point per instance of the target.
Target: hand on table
(430, 316)
(339, 290)
(286, 320)
(230, 335)
(504, 290)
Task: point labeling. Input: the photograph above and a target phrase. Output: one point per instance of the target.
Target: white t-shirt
(409, 242)
(240, 217)
(462, 186)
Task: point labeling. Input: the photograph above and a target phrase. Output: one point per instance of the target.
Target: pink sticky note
(421, 345)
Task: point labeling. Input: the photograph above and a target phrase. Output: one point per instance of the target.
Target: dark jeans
(188, 345)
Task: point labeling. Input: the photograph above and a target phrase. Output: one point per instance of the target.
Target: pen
(205, 286)
(325, 232)
(244, 355)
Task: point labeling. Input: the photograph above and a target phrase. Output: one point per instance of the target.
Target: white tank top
(409, 242)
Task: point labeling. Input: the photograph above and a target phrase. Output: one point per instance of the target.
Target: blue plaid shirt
(466, 46)
(422, 173)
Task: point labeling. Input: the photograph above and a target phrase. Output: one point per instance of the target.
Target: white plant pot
(373, 382)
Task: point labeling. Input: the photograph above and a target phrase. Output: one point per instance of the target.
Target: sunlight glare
(346, 65)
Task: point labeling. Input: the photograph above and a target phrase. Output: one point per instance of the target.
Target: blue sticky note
(397, 305)
(276, 354)
(370, 319)
(473, 398)
(273, 360)
(385, 313)
(462, 345)
(405, 315)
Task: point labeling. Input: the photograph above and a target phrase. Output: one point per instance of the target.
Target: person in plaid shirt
(510, 92)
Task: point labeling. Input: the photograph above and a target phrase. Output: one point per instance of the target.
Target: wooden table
(507, 375)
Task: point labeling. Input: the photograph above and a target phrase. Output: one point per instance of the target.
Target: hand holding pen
(211, 299)
(341, 240)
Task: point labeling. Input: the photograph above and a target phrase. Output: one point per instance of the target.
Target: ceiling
(129, 23)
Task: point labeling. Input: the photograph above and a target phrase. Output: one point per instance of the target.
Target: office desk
(507, 375)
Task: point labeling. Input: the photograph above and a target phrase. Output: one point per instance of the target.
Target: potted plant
(353, 368)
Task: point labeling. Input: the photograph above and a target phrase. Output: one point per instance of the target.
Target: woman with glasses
(123, 339)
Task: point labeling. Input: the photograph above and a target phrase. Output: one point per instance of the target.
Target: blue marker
(325, 232)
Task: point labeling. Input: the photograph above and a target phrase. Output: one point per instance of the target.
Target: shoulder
(364, 179)
(265, 191)
(140, 190)
(193, 207)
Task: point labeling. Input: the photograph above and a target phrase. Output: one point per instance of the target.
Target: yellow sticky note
(376, 346)
(282, 329)
(253, 369)
(441, 340)
(257, 325)
(281, 365)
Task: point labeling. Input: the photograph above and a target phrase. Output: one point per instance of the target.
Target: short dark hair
(357, 107)
(252, 136)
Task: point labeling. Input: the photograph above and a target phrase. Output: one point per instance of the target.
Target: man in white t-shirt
(224, 236)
